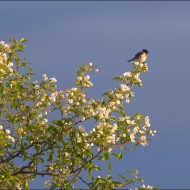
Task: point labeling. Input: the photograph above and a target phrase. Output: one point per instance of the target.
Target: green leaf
(105, 94)
(114, 154)
(81, 68)
(89, 176)
(109, 166)
(130, 171)
(22, 40)
(119, 156)
(106, 155)
(41, 160)
(97, 168)
(121, 111)
(88, 153)
(53, 186)
(3, 67)
(123, 178)
(51, 156)
(119, 79)
(14, 41)
(25, 185)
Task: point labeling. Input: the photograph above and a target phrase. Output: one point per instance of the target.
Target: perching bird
(140, 57)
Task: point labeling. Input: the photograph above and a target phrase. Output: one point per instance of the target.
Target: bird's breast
(143, 57)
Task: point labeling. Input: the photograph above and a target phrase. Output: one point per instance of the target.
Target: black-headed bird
(140, 57)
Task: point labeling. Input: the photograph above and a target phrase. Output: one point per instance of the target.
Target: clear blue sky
(64, 35)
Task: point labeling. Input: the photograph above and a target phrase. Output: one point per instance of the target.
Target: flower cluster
(137, 128)
(83, 79)
(5, 64)
(104, 134)
(5, 45)
(147, 187)
(7, 133)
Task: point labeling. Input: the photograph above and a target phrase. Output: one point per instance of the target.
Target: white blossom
(103, 112)
(44, 121)
(53, 80)
(40, 115)
(11, 138)
(124, 87)
(82, 118)
(91, 144)
(78, 139)
(79, 78)
(147, 187)
(77, 103)
(2, 43)
(146, 121)
(135, 130)
(70, 101)
(127, 100)
(44, 77)
(81, 128)
(10, 64)
(7, 131)
(36, 87)
(119, 95)
(53, 96)
(87, 77)
(143, 141)
(152, 132)
(127, 74)
(132, 137)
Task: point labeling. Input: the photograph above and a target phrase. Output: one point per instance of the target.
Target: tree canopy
(67, 149)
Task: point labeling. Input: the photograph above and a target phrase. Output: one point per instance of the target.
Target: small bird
(140, 57)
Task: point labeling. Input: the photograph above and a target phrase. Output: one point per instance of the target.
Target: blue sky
(63, 35)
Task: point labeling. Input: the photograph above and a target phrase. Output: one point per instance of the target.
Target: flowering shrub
(32, 145)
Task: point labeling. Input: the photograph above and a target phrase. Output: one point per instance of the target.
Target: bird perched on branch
(140, 57)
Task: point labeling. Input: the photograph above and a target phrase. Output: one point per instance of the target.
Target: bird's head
(145, 51)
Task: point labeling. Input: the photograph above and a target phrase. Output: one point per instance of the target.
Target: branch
(73, 171)
(81, 178)
(29, 164)
(18, 153)
(21, 169)
(38, 173)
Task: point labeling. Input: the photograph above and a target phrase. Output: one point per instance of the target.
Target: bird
(140, 56)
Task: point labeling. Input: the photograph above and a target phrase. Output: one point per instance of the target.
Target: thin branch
(18, 153)
(81, 178)
(38, 173)
(21, 169)
(29, 164)
(73, 171)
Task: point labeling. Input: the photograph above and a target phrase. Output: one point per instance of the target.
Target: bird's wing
(138, 55)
